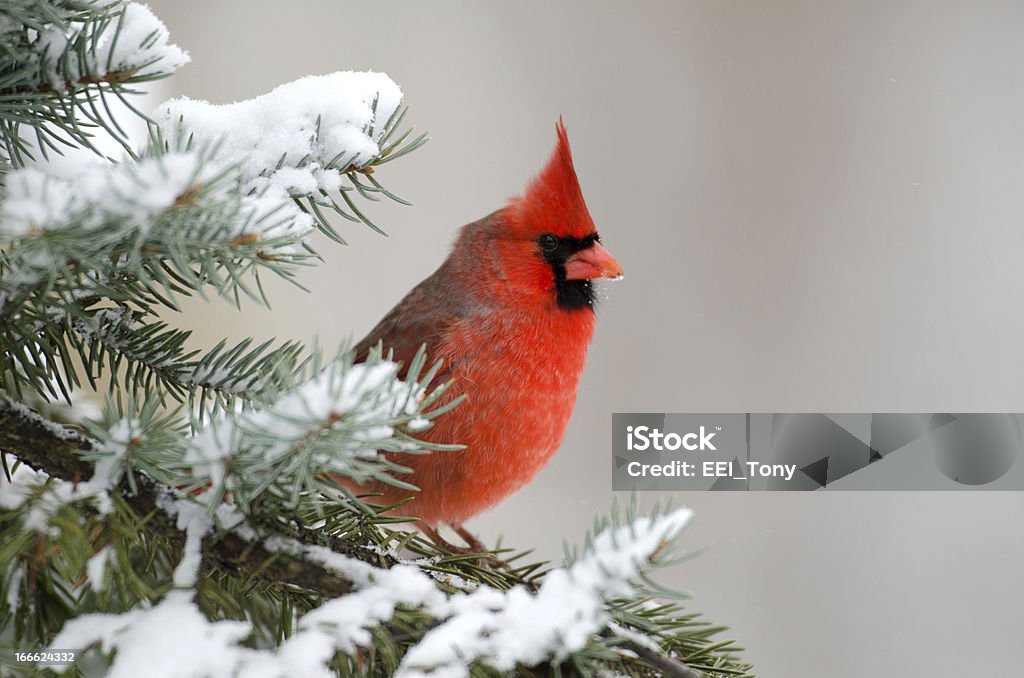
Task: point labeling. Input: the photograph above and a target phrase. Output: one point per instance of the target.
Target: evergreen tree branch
(143, 356)
(668, 665)
(173, 222)
(61, 63)
(53, 450)
(41, 444)
(303, 561)
(167, 224)
(320, 158)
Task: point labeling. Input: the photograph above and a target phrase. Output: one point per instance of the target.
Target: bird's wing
(423, 317)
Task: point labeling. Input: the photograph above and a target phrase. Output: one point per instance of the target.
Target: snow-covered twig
(504, 629)
(135, 44)
(54, 452)
(300, 137)
(501, 629)
(133, 199)
(307, 140)
(64, 60)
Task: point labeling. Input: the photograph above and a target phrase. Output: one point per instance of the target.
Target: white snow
(33, 202)
(109, 454)
(15, 576)
(195, 512)
(193, 520)
(517, 627)
(273, 214)
(210, 450)
(346, 621)
(299, 137)
(361, 395)
(132, 194)
(96, 568)
(149, 641)
(61, 493)
(141, 48)
(295, 141)
(173, 639)
(501, 629)
(419, 424)
(16, 492)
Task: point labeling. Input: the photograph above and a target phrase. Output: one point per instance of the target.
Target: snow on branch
(303, 139)
(501, 629)
(571, 616)
(331, 428)
(44, 497)
(336, 424)
(175, 627)
(62, 61)
(300, 136)
(134, 44)
(56, 453)
(136, 198)
(99, 195)
(226, 190)
(115, 230)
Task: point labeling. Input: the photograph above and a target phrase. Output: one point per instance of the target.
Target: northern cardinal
(510, 313)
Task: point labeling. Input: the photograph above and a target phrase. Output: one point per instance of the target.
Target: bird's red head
(546, 238)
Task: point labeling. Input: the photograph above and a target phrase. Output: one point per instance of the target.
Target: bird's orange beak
(592, 263)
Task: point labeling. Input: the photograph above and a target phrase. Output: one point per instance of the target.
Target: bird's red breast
(510, 314)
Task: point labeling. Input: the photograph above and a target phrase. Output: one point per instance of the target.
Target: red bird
(510, 313)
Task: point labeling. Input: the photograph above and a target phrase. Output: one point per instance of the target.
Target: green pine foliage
(215, 479)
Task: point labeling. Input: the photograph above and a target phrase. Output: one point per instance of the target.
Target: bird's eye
(548, 242)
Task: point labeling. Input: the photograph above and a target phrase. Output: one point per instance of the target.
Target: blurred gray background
(818, 208)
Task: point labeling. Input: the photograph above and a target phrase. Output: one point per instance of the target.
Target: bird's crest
(553, 201)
